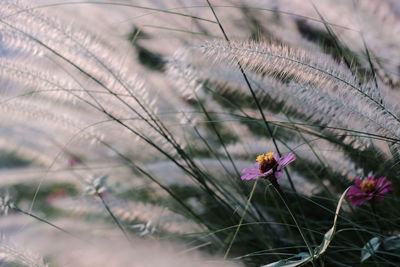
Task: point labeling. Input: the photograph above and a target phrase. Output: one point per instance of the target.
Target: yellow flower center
(368, 186)
(266, 161)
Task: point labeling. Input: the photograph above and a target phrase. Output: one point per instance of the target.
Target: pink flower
(268, 164)
(368, 189)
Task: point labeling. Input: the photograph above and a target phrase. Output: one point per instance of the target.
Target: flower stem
(378, 225)
(114, 218)
(44, 221)
(241, 219)
(278, 189)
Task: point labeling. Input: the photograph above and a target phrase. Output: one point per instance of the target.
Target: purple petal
(250, 174)
(285, 160)
(269, 172)
(385, 190)
(354, 190)
(278, 174)
(358, 182)
(250, 171)
(358, 202)
(380, 181)
(385, 184)
(356, 196)
(357, 199)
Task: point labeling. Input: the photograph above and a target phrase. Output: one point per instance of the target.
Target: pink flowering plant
(368, 189)
(267, 165)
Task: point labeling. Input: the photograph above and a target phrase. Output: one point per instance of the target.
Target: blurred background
(125, 125)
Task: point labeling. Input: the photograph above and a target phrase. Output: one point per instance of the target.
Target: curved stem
(241, 219)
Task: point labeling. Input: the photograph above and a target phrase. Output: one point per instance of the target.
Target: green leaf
(392, 242)
(291, 262)
(370, 248)
(389, 243)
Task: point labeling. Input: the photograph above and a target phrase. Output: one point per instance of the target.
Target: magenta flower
(368, 189)
(268, 164)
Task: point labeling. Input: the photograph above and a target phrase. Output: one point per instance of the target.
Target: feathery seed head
(96, 185)
(5, 203)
